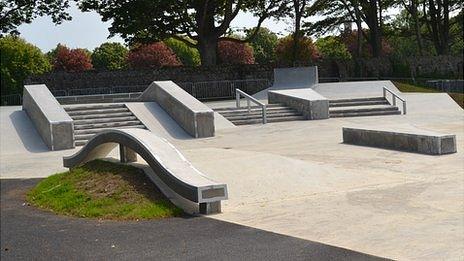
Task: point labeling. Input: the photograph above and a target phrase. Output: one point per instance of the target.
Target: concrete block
(52, 122)
(312, 105)
(191, 114)
(295, 78)
(414, 140)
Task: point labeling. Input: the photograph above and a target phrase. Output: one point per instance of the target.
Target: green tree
(331, 47)
(204, 22)
(307, 52)
(13, 13)
(19, 59)
(263, 44)
(110, 56)
(188, 56)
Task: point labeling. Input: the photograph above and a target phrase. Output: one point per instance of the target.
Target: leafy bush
(70, 60)
(19, 59)
(188, 55)
(231, 52)
(263, 44)
(306, 54)
(350, 41)
(110, 56)
(331, 47)
(151, 56)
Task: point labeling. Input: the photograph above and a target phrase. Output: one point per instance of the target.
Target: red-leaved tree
(351, 43)
(153, 55)
(71, 60)
(230, 52)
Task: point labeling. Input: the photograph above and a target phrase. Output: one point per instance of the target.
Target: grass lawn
(406, 87)
(101, 189)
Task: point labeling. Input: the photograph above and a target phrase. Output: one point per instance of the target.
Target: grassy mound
(101, 189)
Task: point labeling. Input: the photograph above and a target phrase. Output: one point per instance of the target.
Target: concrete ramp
(295, 78)
(168, 164)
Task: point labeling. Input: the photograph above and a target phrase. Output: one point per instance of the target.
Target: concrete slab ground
(298, 179)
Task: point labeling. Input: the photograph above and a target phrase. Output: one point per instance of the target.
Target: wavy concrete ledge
(166, 161)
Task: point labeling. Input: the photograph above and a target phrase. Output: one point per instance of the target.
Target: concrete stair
(89, 119)
(375, 106)
(275, 113)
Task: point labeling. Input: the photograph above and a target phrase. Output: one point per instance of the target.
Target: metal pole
(248, 104)
(394, 100)
(237, 98)
(404, 107)
(264, 115)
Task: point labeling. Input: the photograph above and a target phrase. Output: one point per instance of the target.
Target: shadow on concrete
(27, 132)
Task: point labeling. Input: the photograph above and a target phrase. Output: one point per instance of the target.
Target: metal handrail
(249, 99)
(394, 97)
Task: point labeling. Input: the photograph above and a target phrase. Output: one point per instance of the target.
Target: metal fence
(12, 99)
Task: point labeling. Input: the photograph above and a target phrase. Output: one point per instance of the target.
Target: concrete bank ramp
(167, 163)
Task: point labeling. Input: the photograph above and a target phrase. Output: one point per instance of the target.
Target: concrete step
(357, 99)
(359, 114)
(107, 125)
(94, 131)
(362, 109)
(97, 116)
(103, 120)
(269, 120)
(256, 112)
(93, 107)
(97, 111)
(259, 116)
(357, 103)
(254, 107)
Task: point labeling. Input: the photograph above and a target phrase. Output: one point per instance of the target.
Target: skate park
(292, 175)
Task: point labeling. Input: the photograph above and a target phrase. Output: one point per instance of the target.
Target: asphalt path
(31, 234)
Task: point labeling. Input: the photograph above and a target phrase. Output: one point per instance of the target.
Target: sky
(86, 30)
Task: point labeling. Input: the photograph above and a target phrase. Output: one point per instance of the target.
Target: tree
(146, 56)
(263, 44)
(19, 59)
(198, 23)
(110, 56)
(16, 12)
(307, 52)
(70, 60)
(188, 56)
(231, 52)
(331, 47)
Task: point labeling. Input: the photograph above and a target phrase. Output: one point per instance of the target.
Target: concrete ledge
(51, 121)
(419, 141)
(191, 114)
(311, 104)
(167, 163)
(295, 78)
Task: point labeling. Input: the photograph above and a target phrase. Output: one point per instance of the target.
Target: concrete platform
(299, 179)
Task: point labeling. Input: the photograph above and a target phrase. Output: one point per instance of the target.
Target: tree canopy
(13, 13)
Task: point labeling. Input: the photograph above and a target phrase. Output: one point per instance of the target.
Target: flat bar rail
(249, 99)
(394, 97)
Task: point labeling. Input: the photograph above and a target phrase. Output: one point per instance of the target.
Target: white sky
(86, 30)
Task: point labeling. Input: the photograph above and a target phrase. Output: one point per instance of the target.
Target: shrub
(331, 47)
(19, 59)
(231, 52)
(263, 44)
(306, 54)
(351, 43)
(188, 55)
(151, 56)
(110, 56)
(70, 60)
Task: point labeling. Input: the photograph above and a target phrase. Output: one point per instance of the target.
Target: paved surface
(30, 234)
(298, 179)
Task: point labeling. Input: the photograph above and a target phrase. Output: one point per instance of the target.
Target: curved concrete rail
(166, 161)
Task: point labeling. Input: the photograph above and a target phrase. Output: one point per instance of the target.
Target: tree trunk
(208, 51)
(415, 17)
(296, 34)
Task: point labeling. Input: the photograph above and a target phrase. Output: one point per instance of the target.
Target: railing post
(394, 99)
(248, 105)
(404, 107)
(237, 98)
(264, 114)
(384, 92)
